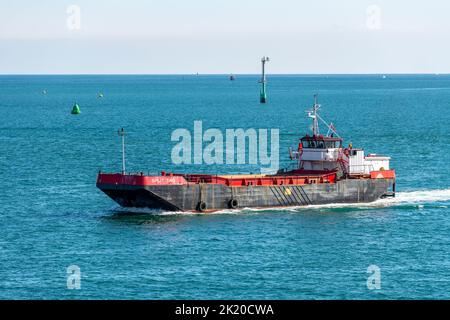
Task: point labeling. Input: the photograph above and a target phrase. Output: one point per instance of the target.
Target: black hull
(210, 197)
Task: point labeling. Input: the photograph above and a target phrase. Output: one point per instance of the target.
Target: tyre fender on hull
(201, 206)
(233, 204)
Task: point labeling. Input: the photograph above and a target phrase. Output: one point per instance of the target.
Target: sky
(224, 36)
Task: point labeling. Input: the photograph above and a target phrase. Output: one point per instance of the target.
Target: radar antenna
(313, 114)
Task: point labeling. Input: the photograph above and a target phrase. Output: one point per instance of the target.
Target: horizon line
(222, 74)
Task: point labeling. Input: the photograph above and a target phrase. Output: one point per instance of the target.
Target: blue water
(52, 215)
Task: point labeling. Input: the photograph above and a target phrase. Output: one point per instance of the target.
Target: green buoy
(76, 109)
(263, 94)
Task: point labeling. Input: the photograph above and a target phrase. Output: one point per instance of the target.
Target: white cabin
(325, 152)
(374, 162)
(320, 153)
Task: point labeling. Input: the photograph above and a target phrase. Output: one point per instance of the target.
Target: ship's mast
(121, 133)
(313, 114)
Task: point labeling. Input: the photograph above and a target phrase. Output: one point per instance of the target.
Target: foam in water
(422, 196)
(401, 198)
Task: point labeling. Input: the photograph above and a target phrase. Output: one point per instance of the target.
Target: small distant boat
(100, 95)
(44, 91)
(232, 77)
(76, 109)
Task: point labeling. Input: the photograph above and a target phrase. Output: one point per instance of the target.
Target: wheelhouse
(321, 142)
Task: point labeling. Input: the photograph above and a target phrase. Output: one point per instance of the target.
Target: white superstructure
(326, 152)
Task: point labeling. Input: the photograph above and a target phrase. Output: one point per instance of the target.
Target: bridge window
(321, 144)
(333, 144)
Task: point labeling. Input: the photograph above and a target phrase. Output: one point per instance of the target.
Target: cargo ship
(325, 172)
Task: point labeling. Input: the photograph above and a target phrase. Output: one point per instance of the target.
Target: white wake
(421, 196)
(401, 198)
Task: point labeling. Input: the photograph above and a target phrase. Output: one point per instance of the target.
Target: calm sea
(52, 216)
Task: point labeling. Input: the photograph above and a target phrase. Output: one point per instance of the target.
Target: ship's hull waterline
(212, 197)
